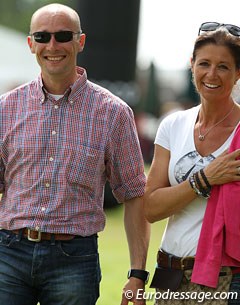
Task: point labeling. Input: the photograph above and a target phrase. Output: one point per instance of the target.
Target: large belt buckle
(36, 240)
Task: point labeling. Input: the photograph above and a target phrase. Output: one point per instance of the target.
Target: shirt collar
(71, 93)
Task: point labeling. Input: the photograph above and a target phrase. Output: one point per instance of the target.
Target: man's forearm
(138, 232)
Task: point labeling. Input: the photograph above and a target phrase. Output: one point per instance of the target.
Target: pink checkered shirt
(55, 157)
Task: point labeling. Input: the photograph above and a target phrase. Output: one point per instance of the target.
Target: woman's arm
(162, 200)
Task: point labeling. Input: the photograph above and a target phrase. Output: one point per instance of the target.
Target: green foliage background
(16, 14)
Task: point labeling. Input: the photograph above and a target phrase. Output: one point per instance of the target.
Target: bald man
(61, 138)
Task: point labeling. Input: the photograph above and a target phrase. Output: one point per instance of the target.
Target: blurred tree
(190, 93)
(151, 102)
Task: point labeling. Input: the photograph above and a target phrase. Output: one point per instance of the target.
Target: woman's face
(214, 71)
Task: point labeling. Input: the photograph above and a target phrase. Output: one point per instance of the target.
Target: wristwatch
(139, 274)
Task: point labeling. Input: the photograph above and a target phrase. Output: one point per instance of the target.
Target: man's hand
(131, 292)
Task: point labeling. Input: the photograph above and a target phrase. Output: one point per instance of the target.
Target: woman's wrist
(200, 184)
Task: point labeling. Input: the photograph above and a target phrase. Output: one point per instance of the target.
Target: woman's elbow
(150, 218)
(149, 215)
(153, 213)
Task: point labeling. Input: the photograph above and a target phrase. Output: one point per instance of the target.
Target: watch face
(140, 274)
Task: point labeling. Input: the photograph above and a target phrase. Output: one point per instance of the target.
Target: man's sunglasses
(62, 36)
(213, 26)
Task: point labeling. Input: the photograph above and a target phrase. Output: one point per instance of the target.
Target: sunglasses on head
(213, 26)
(62, 36)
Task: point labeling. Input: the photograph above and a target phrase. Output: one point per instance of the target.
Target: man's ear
(82, 40)
(30, 44)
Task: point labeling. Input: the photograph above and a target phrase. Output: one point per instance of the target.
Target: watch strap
(139, 274)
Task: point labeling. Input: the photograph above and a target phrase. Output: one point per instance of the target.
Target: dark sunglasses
(62, 36)
(213, 26)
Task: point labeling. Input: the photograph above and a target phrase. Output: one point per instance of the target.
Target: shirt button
(47, 184)
(54, 132)
(51, 159)
(71, 102)
(43, 209)
(56, 106)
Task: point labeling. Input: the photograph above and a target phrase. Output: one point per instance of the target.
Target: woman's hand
(224, 169)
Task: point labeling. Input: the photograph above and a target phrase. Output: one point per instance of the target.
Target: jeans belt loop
(52, 239)
(19, 235)
(37, 240)
(170, 261)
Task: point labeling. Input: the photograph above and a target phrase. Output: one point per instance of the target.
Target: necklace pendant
(201, 137)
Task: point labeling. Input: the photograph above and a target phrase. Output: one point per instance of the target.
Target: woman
(191, 156)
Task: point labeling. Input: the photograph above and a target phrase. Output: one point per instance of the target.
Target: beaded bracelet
(205, 179)
(193, 186)
(198, 187)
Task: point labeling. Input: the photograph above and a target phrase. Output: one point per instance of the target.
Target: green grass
(114, 256)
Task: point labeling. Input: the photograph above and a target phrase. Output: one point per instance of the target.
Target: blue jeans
(235, 287)
(48, 272)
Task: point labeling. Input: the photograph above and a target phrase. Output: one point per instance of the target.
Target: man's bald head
(56, 8)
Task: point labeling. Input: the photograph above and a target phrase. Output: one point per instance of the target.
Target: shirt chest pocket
(85, 166)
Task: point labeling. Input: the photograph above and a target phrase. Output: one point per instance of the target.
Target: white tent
(17, 64)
